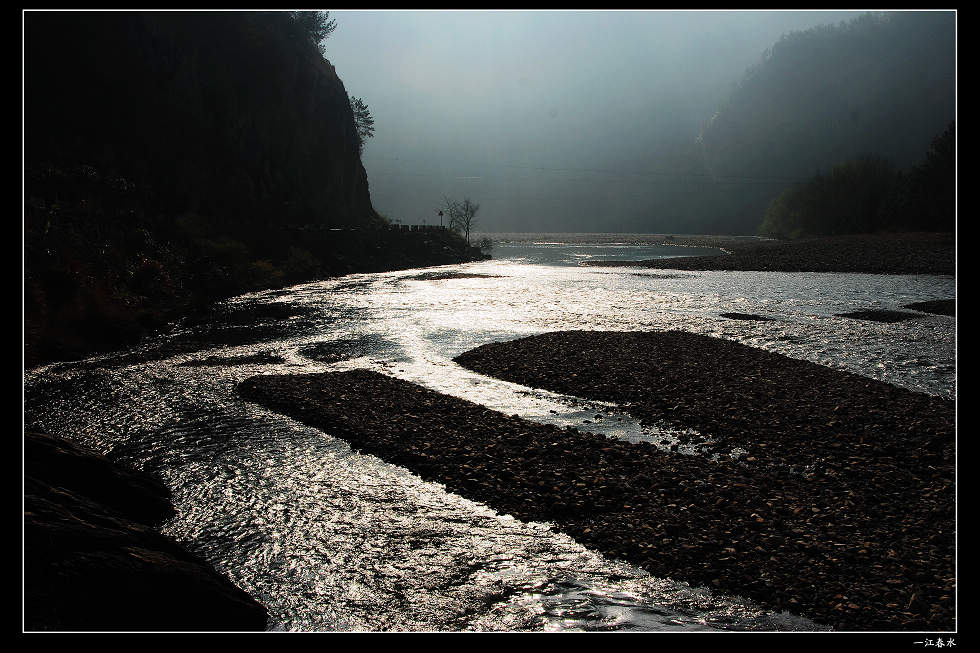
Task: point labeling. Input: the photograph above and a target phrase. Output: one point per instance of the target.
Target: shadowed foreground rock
(93, 561)
(839, 523)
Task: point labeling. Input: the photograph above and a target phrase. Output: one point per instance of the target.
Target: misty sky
(550, 120)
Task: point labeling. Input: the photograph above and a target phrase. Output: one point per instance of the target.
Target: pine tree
(363, 121)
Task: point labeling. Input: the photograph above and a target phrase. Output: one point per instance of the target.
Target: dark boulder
(94, 562)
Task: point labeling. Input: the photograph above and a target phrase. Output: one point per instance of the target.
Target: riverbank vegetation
(102, 269)
(869, 194)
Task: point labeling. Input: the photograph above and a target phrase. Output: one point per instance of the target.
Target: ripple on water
(329, 539)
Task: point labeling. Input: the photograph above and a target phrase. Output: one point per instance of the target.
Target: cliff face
(173, 158)
(229, 115)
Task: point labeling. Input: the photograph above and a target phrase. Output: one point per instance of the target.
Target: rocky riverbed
(818, 492)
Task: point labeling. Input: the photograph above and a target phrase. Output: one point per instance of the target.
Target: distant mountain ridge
(882, 84)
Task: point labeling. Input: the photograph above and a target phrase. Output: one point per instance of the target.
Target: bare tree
(462, 215)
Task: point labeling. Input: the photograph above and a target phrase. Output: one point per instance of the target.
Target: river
(329, 539)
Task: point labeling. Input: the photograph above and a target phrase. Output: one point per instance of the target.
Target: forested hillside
(869, 194)
(882, 85)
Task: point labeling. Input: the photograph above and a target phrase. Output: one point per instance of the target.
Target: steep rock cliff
(173, 158)
(227, 115)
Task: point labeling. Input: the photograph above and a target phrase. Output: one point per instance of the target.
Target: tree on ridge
(316, 24)
(363, 121)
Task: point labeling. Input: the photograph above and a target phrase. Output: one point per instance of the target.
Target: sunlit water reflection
(329, 539)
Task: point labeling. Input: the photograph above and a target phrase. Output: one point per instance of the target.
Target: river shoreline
(837, 522)
(71, 314)
(916, 253)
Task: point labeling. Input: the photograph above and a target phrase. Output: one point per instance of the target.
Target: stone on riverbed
(880, 315)
(746, 316)
(877, 463)
(846, 482)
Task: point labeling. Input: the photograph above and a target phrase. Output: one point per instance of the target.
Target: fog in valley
(571, 120)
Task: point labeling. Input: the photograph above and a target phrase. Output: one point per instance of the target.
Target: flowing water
(329, 539)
